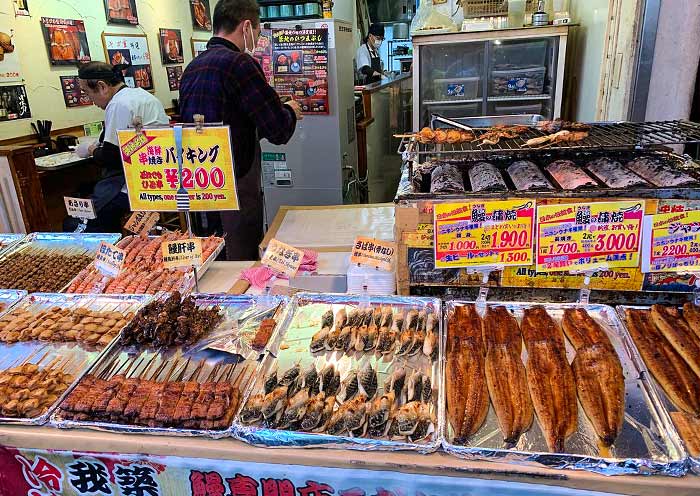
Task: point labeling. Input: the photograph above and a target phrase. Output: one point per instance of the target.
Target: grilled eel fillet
(686, 343)
(598, 373)
(467, 394)
(691, 313)
(550, 379)
(671, 372)
(505, 374)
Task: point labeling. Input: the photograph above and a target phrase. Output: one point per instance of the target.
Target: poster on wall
(263, 53)
(300, 67)
(66, 41)
(21, 8)
(171, 46)
(73, 94)
(9, 59)
(14, 103)
(121, 11)
(201, 15)
(174, 76)
(130, 49)
(198, 46)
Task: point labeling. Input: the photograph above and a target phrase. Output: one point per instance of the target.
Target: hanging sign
(372, 252)
(182, 253)
(109, 259)
(282, 258)
(483, 233)
(141, 222)
(588, 236)
(671, 242)
(80, 208)
(151, 169)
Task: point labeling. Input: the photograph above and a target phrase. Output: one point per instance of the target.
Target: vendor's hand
(294, 105)
(92, 148)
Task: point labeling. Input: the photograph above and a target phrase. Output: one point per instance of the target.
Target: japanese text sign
(80, 208)
(588, 236)
(282, 258)
(373, 253)
(141, 222)
(151, 169)
(483, 233)
(671, 242)
(109, 259)
(182, 253)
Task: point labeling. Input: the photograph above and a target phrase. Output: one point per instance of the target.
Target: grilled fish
(676, 330)
(505, 374)
(668, 368)
(691, 313)
(582, 330)
(550, 379)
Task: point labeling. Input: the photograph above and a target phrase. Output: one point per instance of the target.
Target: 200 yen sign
(200, 177)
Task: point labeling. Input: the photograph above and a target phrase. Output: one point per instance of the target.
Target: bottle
(540, 18)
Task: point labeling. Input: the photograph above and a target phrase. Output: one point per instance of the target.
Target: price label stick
(80, 208)
(109, 259)
(584, 294)
(282, 258)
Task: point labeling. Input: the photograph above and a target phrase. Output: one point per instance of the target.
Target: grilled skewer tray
(8, 241)
(645, 445)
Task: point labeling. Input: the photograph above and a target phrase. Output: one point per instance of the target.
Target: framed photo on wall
(66, 41)
(170, 46)
(130, 49)
(73, 95)
(198, 46)
(174, 76)
(121, 11)
(14, 103)
(201, 14)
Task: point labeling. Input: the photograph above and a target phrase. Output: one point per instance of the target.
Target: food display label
(109, 259)
(182, 253)
(372, 252)
(483, 233)
(80, 208)
(671, 242)
(151, 169)
(619, 279)
(584, 237)
(142, 222)
(282, 258)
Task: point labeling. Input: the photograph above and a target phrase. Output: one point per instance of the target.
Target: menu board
(300, 67)
(130, 49)
(66, 41)
(73, 94)
(672, 242)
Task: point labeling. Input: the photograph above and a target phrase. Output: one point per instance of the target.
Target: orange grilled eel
(467, 395)
(505, 374)
(676, 330)
(598, 373)
(550, 379)
(691, 313)
(668, 368)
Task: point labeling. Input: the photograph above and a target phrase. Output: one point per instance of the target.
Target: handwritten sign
(151, 169)
(373, 253)
(141, 222)
(80, 208)
(671, 242)
(282, 258)
(109, 259)
(483, 233)
(587, 236)
(182, 253)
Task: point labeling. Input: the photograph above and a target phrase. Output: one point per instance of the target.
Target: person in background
(369, 65)
(225, 83)
(105, 86)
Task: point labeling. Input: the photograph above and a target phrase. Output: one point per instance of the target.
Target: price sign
(588, 236)
(672, 242)
(182, 253)
(141, 222)
(283, 258)
(109, 259)
(80, 208)
(151, 169)
(483, 233)
(373, 253)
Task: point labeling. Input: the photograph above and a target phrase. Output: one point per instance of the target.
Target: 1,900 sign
(511, 239)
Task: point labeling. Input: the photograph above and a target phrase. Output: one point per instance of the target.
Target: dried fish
(327, 319)
(295, 409)
(271, 381)
(274, 401)
(290, 376)
(407, 417)
(314, 412)
(395, 382)
(367, 379)
(318, 340)
(350, 386)
(253, 409)
(427, 392)
(380, 410)
(326, 413)
(414, 390)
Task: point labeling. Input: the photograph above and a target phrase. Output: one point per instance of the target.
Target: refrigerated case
(500, 72)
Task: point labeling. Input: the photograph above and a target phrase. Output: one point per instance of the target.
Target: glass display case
(503, 72)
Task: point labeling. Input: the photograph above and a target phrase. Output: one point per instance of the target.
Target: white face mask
(250, 51)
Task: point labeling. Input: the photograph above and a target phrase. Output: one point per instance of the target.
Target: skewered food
(493, 135)
(600, 381)
(486, 177)
(659, 173)
(446, 178)
(38, 270)
(559, 125)
(550, 379)
(526, 176)
(263, 335)
(569, 176)
(613, 174)
(558, 137)
(171, 322)
(451, 136)
(29, 390)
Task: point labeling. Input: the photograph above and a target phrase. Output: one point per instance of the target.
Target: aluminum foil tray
(645, 445)
(9, 298)
(8, 240)
(88, 241)
(292, 348)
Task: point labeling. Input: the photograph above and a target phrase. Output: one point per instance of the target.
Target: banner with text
(671, 242)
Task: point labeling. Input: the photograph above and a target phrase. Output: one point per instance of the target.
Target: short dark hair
(94, 72)
(228, 14)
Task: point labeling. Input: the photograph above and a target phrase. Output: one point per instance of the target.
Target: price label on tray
(282, 258)
(109, 259)
(671, 242)
(372, 252)
(182, 253)
(80, 208)
(483, 233)
(584, 237)
(141, 222)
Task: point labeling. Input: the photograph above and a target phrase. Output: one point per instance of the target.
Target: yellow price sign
(483, 233)
(672, 242)
(182, 253)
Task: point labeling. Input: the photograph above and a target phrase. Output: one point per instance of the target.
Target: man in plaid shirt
(225, 83)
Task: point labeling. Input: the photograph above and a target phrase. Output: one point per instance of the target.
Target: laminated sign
(141, 222)
(80, 208)
(151, 169)
(373, 253)
(282, 258)
(672, 242)
(182, 253)
(109, 259)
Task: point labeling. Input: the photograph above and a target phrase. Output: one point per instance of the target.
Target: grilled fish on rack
(676, 330)
(691, 314)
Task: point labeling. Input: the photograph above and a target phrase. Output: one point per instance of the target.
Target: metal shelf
(451, 102)
(518, 98)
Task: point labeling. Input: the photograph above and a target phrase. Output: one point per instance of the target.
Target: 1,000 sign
(615, 242)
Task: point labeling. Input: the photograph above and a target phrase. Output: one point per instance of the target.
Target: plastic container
(311, 8)
(456, 88)
(299, 10)
(263, 12)
(525, 81)
(286, 10)
(273, 11)
(512, 109)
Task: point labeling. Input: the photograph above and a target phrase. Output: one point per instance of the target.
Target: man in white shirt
(105, 85)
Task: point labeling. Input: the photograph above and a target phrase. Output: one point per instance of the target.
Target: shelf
(518, 97)
(265, 3)
(266, 20)
(452, 102)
